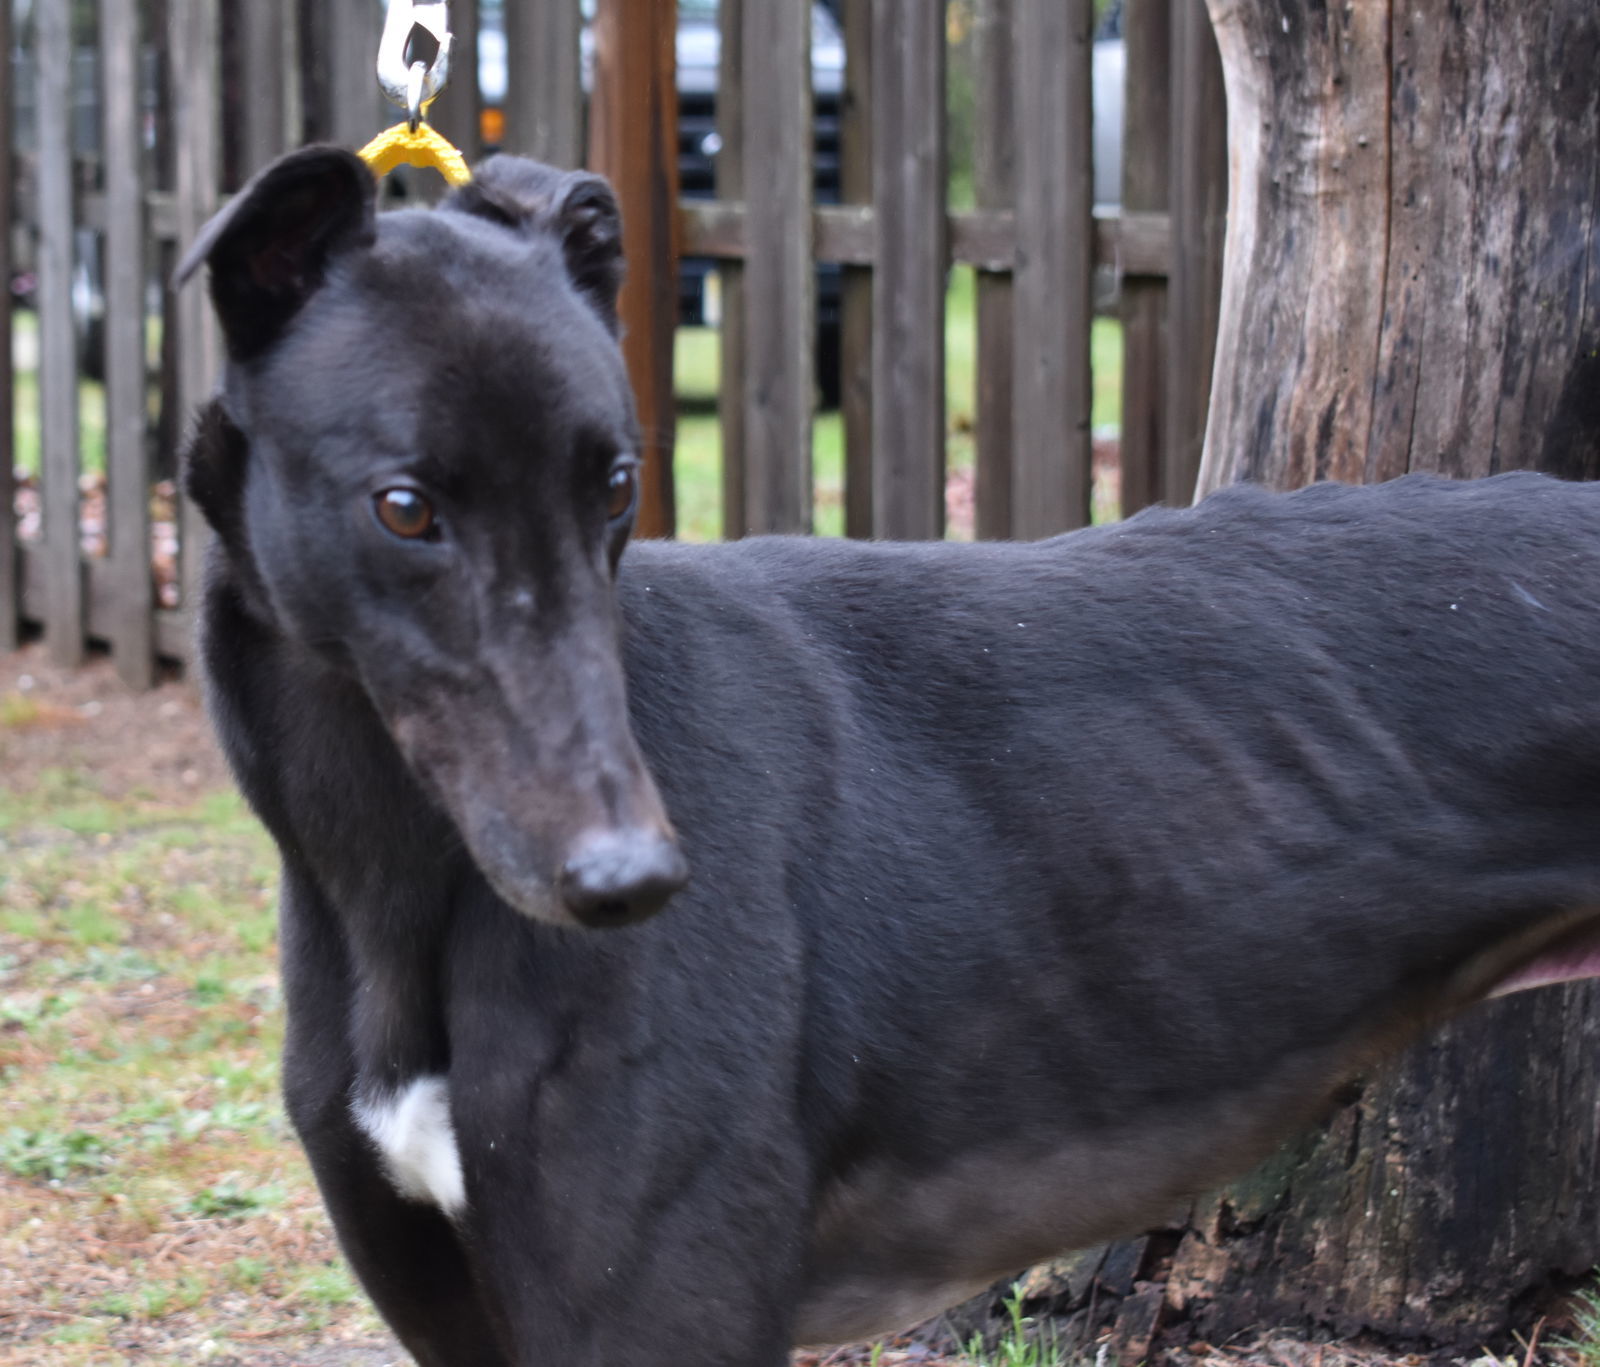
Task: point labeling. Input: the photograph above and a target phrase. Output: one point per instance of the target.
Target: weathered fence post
(458, 111)
(192, 54)
(778, 315)
(10, 607)
(1198, 206)
(633, 119)
(58, 364)
(855, 287)
(132, 624)
(994, 186)
(268, 112)
(342, 40)
(908, 180)
(1054, 300)
(544, 102)
(730, 186)
(1146, 173)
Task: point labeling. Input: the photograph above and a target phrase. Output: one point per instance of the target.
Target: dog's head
(422, 468)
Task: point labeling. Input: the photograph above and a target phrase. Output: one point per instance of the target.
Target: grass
(697, 460)
(25, 419)
(1020, 1343)
(1583, 1343)
(153, 1207)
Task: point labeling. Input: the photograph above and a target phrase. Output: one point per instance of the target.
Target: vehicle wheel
(92, 350)
(830, 380)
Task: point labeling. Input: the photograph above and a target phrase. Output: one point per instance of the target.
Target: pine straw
(72, 1255)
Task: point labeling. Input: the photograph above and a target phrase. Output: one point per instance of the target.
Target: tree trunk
(1412, 282)
(1412, 275)
(1440, 1201)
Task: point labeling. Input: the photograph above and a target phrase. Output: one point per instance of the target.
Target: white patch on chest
(413, 1133)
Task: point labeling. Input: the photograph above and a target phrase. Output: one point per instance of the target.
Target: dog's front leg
(407, 1254)
(637, 1194)
(593, 1273)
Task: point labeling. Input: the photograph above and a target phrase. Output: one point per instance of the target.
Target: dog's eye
(621, 489)
(404, 512)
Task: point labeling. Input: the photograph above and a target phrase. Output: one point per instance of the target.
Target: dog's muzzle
(614, 878)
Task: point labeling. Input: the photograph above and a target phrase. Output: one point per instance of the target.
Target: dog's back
(1101, 836)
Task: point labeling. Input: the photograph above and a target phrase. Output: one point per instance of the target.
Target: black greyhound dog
(1010, 890)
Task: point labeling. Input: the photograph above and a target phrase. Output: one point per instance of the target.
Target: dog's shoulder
(1418, 498)
(1416, 518)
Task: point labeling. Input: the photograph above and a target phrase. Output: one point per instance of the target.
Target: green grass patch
(247, 1274)
(230, 1200)
(52, 1154)
(1584, 1340)
(25, 404)
(1021, 1342)
(19, 710)
(82, 1331)
(329, 1285)
(90, 924)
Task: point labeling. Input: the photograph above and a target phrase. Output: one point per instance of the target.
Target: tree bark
(1440, 1202)
(1412, 282)
(1412, 273)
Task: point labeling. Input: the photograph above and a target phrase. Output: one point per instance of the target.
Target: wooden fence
(189, 95)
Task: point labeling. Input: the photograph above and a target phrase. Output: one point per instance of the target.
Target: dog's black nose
(618, 877)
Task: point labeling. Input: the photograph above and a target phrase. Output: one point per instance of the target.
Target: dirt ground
(154, 752)
(157, 742)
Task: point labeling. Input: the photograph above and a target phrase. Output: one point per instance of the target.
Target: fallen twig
(1533, 1342)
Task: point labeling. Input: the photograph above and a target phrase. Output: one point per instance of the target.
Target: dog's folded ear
(577, 208)
(269, 249)
(213, 469)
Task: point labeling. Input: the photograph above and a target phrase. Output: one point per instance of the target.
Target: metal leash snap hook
(413, 86)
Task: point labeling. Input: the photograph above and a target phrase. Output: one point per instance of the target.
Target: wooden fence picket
(10, 589)
(458, 111)
(994, 186)
(192, 45)
(544, 98)
(352, 108)
(268, 94)
(1199, 205)
(730, 275)
(132, 626)
(58, 361)
(1146, 171)
(1050, 479)
(855, 286)
(779, 313)
(633, 140)
(908, 192)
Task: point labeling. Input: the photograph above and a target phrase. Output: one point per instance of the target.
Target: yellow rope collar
(423, 147)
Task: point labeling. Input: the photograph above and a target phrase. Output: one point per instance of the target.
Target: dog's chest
(415, 1138)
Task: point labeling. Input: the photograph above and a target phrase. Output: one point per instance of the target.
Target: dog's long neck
(315, 761)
